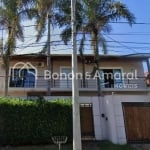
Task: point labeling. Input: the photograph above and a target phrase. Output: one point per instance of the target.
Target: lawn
(105, 145)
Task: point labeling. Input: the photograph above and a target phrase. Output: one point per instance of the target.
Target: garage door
(87, 126)
(137, 121)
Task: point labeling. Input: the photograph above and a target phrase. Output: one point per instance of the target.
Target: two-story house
(120, 114)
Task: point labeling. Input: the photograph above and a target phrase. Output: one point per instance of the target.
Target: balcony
(59, 84)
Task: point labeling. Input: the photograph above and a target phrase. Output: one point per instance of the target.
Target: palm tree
(81, 52)
(48, 11)
(45, 8)
(96, 17)
(11, 14)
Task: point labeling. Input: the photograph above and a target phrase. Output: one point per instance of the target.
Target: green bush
(33, 122)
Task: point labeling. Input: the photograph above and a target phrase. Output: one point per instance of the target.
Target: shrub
(33, 122)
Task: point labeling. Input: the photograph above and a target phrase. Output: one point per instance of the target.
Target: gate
(87, 125)
(137, 121)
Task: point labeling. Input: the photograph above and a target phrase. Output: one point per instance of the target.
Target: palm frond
(106, 28)
(66, 35)
(41, 27)
(28, 13)
(43, 7)
(118, 10)
(124, 12)
(19, 32)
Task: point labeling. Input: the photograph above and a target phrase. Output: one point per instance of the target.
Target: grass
(104, 145)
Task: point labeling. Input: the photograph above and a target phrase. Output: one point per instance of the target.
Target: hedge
(33, 122)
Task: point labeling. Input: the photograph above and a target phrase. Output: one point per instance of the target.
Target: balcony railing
(60, 83)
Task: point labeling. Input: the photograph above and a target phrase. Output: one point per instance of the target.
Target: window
(111, 78)
(65, 81)
(22, 78)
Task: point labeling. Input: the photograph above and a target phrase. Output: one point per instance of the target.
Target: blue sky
(136, 32)
(122, 40)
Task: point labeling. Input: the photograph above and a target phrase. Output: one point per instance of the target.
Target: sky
(123, 39)
(131, 38)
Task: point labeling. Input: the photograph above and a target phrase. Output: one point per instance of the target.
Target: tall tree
(99, 14)
(45, 11)
(48, 11)
(96, 16)
(11, 14)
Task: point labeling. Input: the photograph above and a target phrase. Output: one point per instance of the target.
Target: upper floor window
(111, 78)
(65, 81)
(22, 78)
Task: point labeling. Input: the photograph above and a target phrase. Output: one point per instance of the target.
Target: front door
(87, 125)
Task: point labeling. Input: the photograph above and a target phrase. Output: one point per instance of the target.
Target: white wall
(114, 112)
(111, 126)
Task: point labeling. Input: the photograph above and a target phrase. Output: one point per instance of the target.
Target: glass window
(22, 78)
(117, 78)
(111, 78)
(65, 81)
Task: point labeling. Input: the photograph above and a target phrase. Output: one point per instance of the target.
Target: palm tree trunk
(83, 72)
(98, 83)
(7, 61)
(6, 75)
(96, 58)
(81, 48)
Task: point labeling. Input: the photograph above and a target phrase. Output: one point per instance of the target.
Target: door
(137, 121)
(87, 125)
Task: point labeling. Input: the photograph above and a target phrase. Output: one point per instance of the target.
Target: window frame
(112, 68)
(10, 72)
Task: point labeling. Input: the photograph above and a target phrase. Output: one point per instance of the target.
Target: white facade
(108, 116)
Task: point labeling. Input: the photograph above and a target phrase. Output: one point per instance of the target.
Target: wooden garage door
(87, 126)
(137, 121)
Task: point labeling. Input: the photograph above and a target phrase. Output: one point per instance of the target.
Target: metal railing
(60, 83)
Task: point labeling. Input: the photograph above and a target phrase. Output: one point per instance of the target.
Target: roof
(142, 56)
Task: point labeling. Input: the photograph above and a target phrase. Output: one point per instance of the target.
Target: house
(122, 112)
